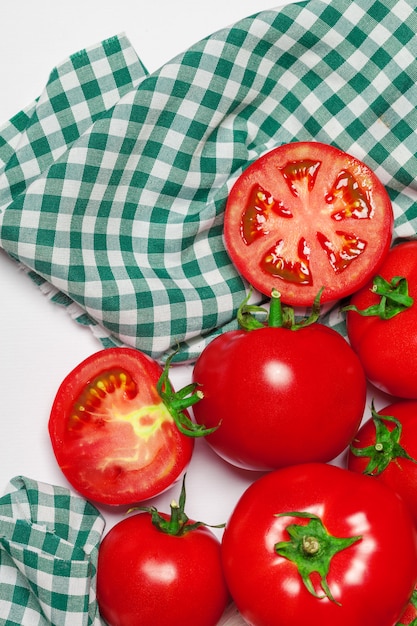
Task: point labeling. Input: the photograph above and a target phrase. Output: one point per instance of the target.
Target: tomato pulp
(307, 216)
(113, 437)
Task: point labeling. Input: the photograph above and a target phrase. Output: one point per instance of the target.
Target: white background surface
(39, 343)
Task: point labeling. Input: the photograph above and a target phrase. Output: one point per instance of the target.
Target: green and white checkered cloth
(49, 542)
(114, 182)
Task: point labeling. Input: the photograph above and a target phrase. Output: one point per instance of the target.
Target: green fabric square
(358, 82)
(122, 76)
(378, 10)
(80, 60)
(334, 104)
(356, 129)
(40, 146)
(91, 89)
(381, 57)
(356, 36)
(60, 102)
(402, 130)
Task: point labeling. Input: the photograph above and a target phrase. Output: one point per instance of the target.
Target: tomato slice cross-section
(113, 436)
(307, 216)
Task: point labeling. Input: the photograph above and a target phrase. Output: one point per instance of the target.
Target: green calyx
(178, 401)
(178, 524)
(387, 447)
(278, 316)
(394, 298)
(311, 547)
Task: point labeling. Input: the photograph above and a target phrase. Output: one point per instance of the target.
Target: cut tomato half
(113, 437)
(307, 216)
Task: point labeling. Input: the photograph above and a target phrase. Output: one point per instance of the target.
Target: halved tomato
(114, 435)
(307, 216)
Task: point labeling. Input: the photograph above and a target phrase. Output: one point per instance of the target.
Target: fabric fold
(49, 541)
(123, 220)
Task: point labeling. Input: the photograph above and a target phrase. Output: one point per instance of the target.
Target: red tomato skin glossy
(298, 205)
(401, 474)
(372, 579)
(388, 348)
(149, 578)
(281, 396)
(114, 457)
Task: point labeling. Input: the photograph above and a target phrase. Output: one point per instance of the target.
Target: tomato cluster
(328, 533)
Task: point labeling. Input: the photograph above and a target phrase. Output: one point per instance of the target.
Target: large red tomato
(387, 343)
(280, 396)
(320, 545)
(158, 571)
(386, 447)
(306, 215)
(113, 435)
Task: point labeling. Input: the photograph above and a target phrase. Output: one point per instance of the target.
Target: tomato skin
(307, 215)
(372, 579)
(147, 577)
(282, 396)
(388, 348)
(401, 473)
(126, 447)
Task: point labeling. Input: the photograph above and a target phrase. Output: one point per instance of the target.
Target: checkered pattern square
(114, 182)
(49, 542)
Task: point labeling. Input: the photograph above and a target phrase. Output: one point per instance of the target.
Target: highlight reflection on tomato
(281, 396)
(318, 544)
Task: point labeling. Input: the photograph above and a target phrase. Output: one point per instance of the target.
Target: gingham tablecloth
(113, 183)
(49, 542)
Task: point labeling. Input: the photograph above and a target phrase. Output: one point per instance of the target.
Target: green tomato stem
(387, 446)
(275, 317)
(311, 548)
(178, 401)
(178, 524)
(394, 298)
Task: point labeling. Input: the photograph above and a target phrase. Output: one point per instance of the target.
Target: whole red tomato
(119, 432)
(320, 545)
(387, 345)
(386, 447)
(280, 396)
(156, 570)
(306, 215)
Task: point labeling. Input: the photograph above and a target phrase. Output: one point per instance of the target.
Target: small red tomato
(317, 544)
(307, 216)
(116, 428)
(279, 396)
(386, 447)
(158, 571)
(382, 323)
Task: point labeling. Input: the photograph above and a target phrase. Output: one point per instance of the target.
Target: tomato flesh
(307, 216)
(113, 437)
